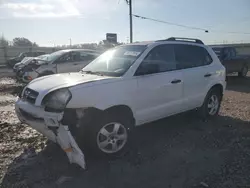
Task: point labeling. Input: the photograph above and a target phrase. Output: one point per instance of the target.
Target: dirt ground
(181, 151)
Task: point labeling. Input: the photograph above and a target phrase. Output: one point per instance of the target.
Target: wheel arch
(218, 87)
(87, 115)
(121, 109)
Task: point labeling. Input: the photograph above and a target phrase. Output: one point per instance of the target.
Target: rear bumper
(49, 125)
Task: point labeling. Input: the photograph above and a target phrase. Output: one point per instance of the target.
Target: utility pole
(130, 20)
(70, 42)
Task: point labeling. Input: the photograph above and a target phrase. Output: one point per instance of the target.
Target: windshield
(52, 57)
(115, 62)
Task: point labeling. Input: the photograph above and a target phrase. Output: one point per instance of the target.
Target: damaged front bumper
(26, 76)
(49, 124)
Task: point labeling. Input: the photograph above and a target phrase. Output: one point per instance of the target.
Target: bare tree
(4, 41)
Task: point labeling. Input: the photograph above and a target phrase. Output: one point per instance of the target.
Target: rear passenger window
(188, 56)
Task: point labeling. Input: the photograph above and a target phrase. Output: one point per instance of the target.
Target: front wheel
(243, 72)
(109, 136)
(211, 105)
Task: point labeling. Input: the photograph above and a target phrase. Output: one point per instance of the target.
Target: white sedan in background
(63, 61)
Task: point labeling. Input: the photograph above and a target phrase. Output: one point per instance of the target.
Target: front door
(160, 85)
(68, 62)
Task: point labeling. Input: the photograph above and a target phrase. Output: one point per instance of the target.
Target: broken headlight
(57, 100)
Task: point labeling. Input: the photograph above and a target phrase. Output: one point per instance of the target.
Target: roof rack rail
(183, 40)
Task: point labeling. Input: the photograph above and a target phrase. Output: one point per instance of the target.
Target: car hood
(49, 83)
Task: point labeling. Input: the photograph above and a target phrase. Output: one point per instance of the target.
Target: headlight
(57, 100)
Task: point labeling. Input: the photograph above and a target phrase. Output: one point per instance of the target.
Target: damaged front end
(49, 119)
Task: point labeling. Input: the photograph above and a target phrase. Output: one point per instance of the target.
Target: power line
(229, 32)
(170, 23)
(189, 27)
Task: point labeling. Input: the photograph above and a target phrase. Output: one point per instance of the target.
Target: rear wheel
(243, 72)
(211, 105)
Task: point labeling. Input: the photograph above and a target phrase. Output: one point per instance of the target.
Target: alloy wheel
(112, 137)
(213, 105)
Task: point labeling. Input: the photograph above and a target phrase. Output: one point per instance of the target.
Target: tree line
(24, 42)
(18, 41)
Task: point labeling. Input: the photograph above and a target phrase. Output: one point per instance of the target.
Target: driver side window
(159, 59)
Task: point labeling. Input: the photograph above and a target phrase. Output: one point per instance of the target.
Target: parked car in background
(126, 86)
(26, 61)
(12, 61)
(232, 61)
(70, 60)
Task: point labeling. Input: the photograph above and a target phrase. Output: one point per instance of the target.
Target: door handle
(176, 81)
(208, 75)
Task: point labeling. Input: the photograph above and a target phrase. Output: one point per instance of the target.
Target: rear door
(160, 85)
(195, 63)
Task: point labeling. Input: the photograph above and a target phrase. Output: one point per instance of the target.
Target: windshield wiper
(91, 72)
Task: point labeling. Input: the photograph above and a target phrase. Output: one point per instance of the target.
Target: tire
(243, 72)
(101, 137)
(211, 104)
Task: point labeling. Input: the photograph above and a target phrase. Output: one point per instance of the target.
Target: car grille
(30, 95)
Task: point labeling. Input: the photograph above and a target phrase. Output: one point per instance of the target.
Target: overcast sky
(50, 22)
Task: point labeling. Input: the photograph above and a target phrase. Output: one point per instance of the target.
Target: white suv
(125, 87)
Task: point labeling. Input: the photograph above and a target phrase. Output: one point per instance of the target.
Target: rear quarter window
(189, 56)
